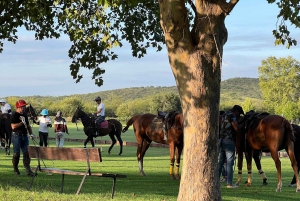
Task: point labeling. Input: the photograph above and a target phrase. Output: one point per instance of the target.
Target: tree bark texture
(195, 55)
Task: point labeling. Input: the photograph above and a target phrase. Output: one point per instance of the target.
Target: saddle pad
(104, 124)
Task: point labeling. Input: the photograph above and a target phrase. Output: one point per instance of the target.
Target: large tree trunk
(195, 57)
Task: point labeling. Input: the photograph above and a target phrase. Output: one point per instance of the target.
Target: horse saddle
(103, 124)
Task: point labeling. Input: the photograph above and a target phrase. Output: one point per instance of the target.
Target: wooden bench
(69, 154)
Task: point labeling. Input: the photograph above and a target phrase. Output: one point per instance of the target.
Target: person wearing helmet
(5, 107)
(20, 128)
(44, 122)
(100, 112)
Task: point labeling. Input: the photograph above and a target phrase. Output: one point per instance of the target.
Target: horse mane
(171, 117)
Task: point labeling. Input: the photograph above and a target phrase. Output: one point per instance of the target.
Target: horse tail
(129, 123)
(289, 130)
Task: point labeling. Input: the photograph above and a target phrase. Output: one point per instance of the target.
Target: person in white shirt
(100, 112)
(5, 107)
(44, 123)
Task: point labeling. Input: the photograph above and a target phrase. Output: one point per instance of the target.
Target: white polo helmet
(2, 101)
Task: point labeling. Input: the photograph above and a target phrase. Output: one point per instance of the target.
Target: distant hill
(234, 90)
(239, 89)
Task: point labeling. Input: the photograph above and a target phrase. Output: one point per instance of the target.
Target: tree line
(277, 91)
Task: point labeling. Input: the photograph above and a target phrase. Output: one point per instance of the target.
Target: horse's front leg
(248, 156)
(257, 158)
(172, 160)
(240, 167)
(178, 149)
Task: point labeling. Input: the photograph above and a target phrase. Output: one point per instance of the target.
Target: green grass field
(156, 186)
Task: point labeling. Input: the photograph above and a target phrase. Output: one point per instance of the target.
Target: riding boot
(15, 162)
(26, 162)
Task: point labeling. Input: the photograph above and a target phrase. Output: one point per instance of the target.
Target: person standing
(5, 107)
(60, 128)
(100, 112)
(20, 127)
(228, 129)
(44, 123)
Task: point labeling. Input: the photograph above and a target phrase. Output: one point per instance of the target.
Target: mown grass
(156, 186)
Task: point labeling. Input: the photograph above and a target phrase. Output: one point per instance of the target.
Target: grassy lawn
(157, 185)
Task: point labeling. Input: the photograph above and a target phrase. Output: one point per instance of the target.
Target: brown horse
(145, 133)
(114, 129)
(271, 133)
(241, 148)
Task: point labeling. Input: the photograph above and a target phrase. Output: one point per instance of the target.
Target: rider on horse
(100, 113)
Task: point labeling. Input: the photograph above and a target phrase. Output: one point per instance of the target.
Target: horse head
(76, 115)
(31, 113)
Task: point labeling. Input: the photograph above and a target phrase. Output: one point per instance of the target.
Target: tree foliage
(279, 80)
(95, 28)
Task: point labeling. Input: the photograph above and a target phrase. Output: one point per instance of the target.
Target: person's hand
(49, 125)
(31, 136)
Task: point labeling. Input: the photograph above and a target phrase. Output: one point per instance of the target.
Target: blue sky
(32, 67)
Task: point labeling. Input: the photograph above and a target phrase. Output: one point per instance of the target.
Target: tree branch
(227, 7)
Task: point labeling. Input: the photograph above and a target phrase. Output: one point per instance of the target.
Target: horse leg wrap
(171, 168)
(249, 177)
(177, 169)
(26, 162)
(15, 162)
(262, 174)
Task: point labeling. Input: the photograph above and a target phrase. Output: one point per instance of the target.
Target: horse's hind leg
(274, 154)
(290, 151)
(143, 148)
(89, 138)
(257, 158)
(121, 143)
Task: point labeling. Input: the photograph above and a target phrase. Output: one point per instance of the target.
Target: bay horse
(271, 133)
(114, 129)
(241, 148)
(145, 133)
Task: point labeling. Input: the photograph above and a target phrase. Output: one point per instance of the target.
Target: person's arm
(16, 125)
(66, 127)
(99, 111)
(235, 125)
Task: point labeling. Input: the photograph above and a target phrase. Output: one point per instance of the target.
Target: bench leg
(82, 181)
(113, 187)
(62, 183)
(31, 182)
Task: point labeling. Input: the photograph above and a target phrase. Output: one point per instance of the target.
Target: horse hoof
(297, 190)
(177, 177)
(237, 184)
(265, 183)
(173, 177)
(142, 174)
(278, 190)
(248, 184)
